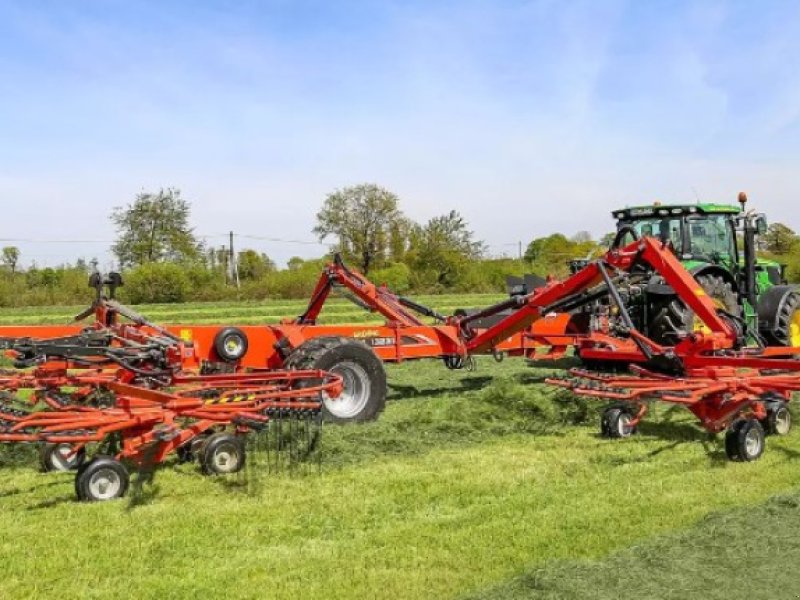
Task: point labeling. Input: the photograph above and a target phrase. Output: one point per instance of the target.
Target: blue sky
(528, 117)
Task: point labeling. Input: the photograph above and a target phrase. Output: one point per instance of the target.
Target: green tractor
(717, 244)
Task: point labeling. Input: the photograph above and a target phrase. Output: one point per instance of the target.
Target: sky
(527, 117)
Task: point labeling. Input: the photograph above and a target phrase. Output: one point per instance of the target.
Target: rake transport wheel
(364, 395)
(222, 453)
(59, 457)
(779, 419)
(190, 450)
(745, 440)
(673, 318)
(102, 478)
(616, 422)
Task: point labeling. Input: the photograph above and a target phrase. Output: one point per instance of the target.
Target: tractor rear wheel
(779, 316)
(364, 395)
(673, 318)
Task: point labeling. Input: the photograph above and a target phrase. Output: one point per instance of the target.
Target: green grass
(469, 480)
(337, 310)
(740, 554)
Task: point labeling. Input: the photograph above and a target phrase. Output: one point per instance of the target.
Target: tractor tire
(673, 318)
(56, 458)
(102, 478)
(745, 440)
(779, 316)
(364, 394)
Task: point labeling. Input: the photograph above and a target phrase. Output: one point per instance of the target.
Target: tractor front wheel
(745, 440)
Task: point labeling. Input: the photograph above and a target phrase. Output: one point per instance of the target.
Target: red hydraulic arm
(553, 296)
(374, 298)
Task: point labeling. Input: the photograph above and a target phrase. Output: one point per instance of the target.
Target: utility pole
(520, 249)
(233, 265)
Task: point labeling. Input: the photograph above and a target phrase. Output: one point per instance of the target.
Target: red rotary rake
(132, 391)
(203, 414)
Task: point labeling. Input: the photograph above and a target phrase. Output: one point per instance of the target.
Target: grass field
(337, 310)
(483, 484)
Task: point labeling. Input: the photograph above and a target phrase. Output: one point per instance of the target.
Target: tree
(553, 253)
(361, 217)
(253, 265)
(155, 228)
(444, 246)
(10, 257)
(582, 237)
(295, 263)
(779, 239)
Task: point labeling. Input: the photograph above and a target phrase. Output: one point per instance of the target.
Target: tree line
(164, 261)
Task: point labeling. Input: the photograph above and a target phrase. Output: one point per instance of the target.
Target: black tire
(672, 318)
(615, 423)
(189, 451)
(779, 316)
(779, 419)
(745, 440)
(231, 344)
(364, 396)
(222, 454)
(54, 458)
(102, 478)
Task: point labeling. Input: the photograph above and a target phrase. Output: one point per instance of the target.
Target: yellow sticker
(186, 335)
(366, 333)
(699, 292)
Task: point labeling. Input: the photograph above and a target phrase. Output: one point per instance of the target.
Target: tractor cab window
(664, 229)
(711, 237)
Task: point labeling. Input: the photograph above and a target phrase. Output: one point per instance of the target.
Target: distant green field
(337, 310)
(483, 483)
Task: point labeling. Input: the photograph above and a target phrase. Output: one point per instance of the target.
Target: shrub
(157, 283)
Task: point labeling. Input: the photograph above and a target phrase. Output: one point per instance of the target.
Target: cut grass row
(469, 479)
(336, 311)
(736, 555)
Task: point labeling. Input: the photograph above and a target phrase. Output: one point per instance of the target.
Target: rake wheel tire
(745, 440)
(54, 458)
(222, 454)
(231, 344)
(102, 478)
(615, 423)
(363, 374)
(674, 319)
(778, 420)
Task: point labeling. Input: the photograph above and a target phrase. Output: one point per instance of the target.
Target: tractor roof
(663, 210)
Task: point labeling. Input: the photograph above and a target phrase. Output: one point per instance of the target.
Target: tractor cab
(717, 244)
(701, 233)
